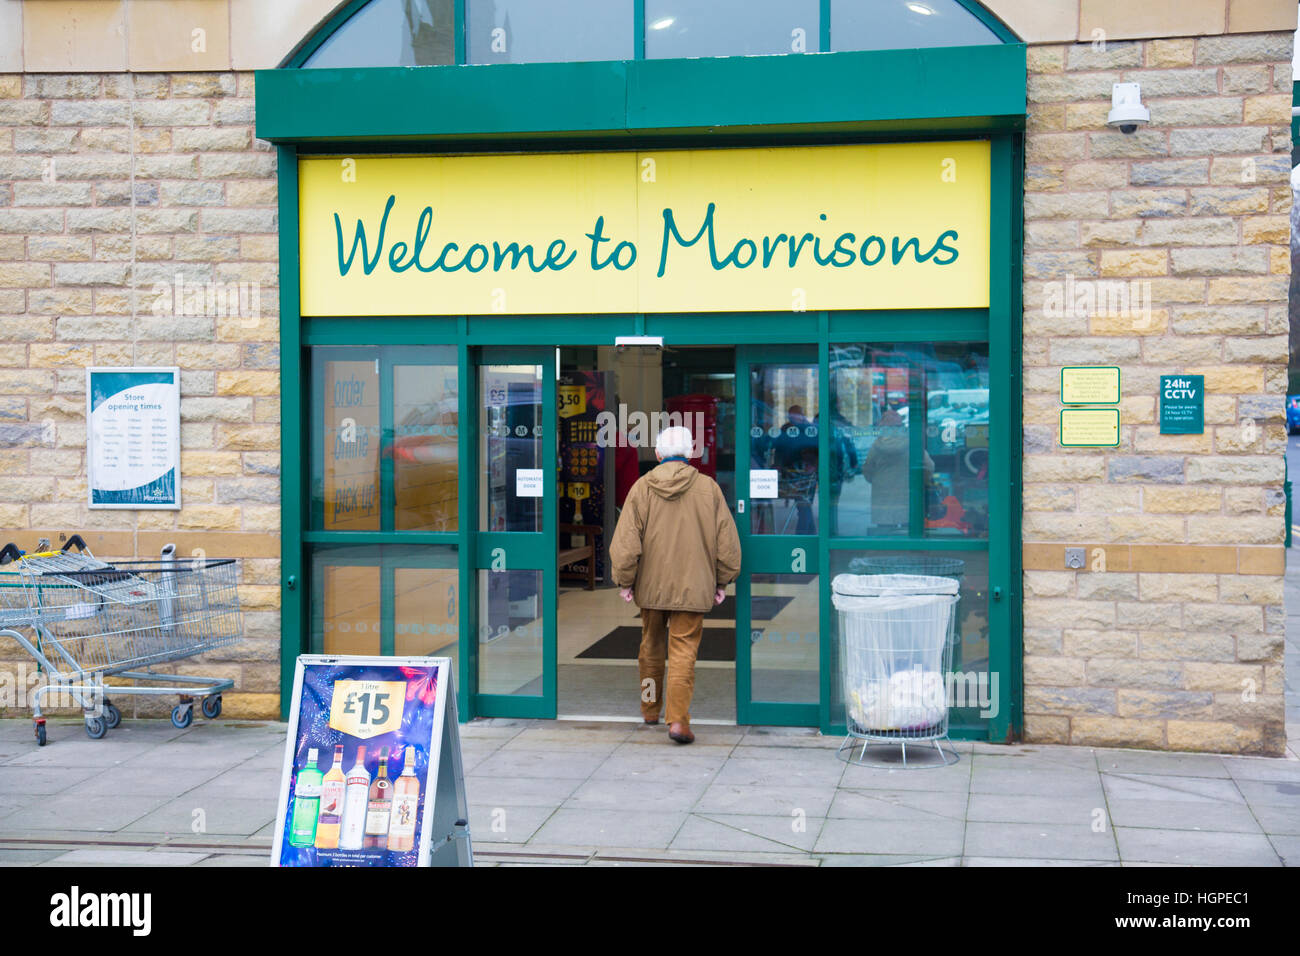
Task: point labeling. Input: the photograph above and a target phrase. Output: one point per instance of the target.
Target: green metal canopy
(945, 89)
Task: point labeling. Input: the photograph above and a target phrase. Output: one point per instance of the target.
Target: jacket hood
(893, 439)
(671, 479)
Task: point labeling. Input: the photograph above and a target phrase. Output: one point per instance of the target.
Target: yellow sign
(573, 400)
(1089, 386)
(1090, 426)
(880, 226)
(367, 708)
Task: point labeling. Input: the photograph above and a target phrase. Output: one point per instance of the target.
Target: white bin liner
(895, 635)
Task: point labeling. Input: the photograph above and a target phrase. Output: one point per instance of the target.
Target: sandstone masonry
(1172, 635)
(112, 188)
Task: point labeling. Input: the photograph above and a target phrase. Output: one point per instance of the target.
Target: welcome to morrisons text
(782, 249)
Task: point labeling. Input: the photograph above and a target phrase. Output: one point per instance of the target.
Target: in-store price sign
(133, 438)
(372, 770)
(1182, 404)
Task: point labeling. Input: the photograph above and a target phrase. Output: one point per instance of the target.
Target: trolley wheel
(182, 715)
(96, 727)
(212, 707)
(40, 734)
(112, 716)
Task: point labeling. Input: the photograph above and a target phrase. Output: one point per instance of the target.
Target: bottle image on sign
(331, 804)
(306, 802)
(355, 798)
(379, 807)
(406, 803)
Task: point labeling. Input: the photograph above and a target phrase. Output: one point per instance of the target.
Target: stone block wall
(1171, 636)
(116, 191)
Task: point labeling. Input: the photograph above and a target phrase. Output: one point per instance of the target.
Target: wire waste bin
(896, 634)
(83, 619)
(930, 565)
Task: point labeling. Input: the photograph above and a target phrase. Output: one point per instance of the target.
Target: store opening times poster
(133, 425)
(360, 763)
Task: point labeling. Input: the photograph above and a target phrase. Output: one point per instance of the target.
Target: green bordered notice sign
(1182, 404)
(1089, 426)
(1088, 385)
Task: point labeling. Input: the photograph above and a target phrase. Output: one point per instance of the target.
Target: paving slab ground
(618, 794)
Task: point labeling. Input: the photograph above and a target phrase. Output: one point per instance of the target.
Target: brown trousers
(682, 630)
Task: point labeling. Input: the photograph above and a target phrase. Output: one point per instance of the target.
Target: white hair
(674, 442)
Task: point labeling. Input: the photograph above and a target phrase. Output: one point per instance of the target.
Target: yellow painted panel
(900, 225)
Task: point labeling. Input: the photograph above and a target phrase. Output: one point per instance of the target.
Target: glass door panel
(915, 418)
(424, 447)
(779, 411)
(426, 612)
(783, 449)
(510, 657)
(385, 599)
(784, 653)
(349, 489)
(350, 612)
(510, 448)
(515, 542)
(383, 441)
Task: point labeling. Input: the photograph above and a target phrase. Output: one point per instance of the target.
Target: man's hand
(718, 595)
(627, 594)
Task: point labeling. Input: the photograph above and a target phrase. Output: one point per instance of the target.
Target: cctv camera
(1126, 109)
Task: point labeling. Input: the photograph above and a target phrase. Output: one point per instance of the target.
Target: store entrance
(611, 403)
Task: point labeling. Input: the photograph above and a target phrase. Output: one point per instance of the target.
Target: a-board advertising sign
(133, 438)
(372, 769)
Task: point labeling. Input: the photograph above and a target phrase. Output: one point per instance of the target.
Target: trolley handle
(9, 553)
(76, 541)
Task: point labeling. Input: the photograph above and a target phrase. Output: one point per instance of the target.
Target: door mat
(624, 643)
(762, 608)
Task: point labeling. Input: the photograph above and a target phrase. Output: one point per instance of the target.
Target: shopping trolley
(84, 619)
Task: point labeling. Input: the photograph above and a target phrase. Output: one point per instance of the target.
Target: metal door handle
(997, 594)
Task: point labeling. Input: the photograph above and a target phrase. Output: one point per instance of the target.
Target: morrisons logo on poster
(807, 228)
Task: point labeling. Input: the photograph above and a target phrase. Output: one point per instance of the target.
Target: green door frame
(768, 553)
(662, 104)
(500, 551)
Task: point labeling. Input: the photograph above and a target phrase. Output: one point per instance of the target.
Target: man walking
(675, 550)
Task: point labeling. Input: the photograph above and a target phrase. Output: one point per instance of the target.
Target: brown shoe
(680, 734)
(651, 720)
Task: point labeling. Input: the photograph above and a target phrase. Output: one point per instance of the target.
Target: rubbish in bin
(911, 700)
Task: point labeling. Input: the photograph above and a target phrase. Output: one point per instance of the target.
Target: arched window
(903, 24)
(436, 32)
(389, 33)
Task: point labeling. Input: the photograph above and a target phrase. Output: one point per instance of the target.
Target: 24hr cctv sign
(897, 225)
(1182, 404)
